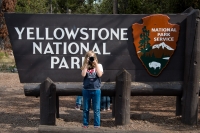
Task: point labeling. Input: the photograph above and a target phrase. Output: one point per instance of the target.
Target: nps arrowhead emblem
(155, 42)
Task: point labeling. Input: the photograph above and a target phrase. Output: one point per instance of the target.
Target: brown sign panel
(155, 42)
(53, 45)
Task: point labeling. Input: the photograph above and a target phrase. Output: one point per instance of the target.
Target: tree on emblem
(144, 42)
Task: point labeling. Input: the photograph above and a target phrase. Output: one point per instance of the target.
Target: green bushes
(7, 63)
(7, 68)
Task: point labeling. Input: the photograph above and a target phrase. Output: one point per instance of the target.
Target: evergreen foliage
(31, 6)
(106, 7)
(144, 42)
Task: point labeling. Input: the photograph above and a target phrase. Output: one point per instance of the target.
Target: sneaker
(108, 108)
(103, 109)
(84, 126)
(96, 126)
(81, 107)
(78, 107)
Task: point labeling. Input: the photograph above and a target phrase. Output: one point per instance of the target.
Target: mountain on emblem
(155, 42)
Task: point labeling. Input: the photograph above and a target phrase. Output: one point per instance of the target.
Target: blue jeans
(78, 100)
(105, 102)
(95, 96)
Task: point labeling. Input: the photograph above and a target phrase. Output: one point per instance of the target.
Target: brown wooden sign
(155, 42)
(54, 45)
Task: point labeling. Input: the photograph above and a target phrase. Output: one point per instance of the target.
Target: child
(91, 71)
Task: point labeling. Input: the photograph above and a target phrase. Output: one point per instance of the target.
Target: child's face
(92, 55)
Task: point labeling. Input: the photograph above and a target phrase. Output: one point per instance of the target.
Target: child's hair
(88, 54)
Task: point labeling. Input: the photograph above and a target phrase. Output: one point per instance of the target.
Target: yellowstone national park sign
(54, 45)
(155, 42)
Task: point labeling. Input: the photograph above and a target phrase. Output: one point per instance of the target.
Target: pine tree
(144, 42)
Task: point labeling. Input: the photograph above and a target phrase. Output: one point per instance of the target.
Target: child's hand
(95, 62)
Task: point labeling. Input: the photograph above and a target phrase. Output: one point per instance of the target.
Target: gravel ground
(20, 114)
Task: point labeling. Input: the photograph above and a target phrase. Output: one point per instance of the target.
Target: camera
(91, 59)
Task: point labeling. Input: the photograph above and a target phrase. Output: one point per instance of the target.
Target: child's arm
(99, 70)
(83, 73)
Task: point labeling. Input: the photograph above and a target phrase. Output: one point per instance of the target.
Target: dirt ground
(20, 114)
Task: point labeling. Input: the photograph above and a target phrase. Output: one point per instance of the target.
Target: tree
(73, 5)
(6, 6)
(106, 7)
(32, 6)
(181, 5)
(144, 42)
(87, 9)
(154, 6)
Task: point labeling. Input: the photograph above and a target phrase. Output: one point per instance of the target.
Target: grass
(7, 62)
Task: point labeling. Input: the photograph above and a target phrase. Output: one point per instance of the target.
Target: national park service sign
(54, 45)
(155, 42)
